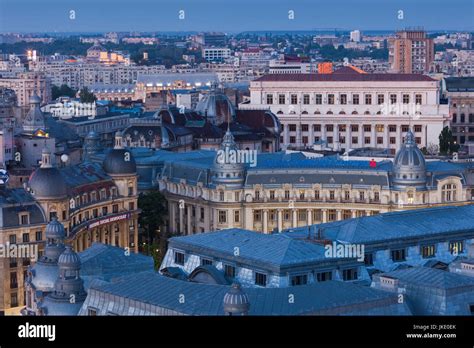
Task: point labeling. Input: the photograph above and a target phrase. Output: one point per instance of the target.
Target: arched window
(448, 193)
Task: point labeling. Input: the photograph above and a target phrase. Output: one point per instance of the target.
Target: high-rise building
(355, 36)
(411, 52)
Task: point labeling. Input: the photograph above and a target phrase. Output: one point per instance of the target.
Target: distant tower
(236, 301)
(91, 144)
(228, 168)
(34, 119)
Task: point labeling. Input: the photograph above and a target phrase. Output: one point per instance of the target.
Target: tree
(447, 144)
(86, 96)
(63, 91)
(153, 210)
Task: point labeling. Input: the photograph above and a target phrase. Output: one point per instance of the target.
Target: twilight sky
(232, 15)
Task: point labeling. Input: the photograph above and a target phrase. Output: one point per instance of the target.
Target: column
(348, 136)
(335, 138)
(368, 213)
(339, 214)
(135, 236)
(286, 135)
(424, 138)
(373, 136)
(311, 135)
(325, 215)
(399, 137)
(309, 216)
(386, 140)
(323, 131)
(299, 138)
(207, 224)
(280, 220)
(295, 218)
(360, 143)
(215, 219)
(111, 233)
(265, 221)
(189, 229)
(181, 220)
(354, 213)
(248, 218)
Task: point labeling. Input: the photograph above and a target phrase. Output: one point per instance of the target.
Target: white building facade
(350, 109)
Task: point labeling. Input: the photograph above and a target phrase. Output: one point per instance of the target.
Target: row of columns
(348, 135)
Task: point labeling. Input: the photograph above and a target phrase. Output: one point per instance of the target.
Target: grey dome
(409, 168)
(236, 302)
(69, 259)
(34, 99)
(92, 135)
(34, 119)
(216, 107)
(44, 276)
(47, 182)
(115, 162)
(55, 230)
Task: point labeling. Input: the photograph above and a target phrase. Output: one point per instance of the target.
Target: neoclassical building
(287, 190)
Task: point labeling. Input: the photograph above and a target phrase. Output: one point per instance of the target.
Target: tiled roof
(204, 299)
(431, 277)
(395, 226)
(266, 249)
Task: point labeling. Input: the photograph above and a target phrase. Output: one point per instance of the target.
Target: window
(355, 128)
(38, 236)
(229, 271)
(355, 140)
(349, 274)
(287, 194)
(13, 281)
(355, 99)
(12, 238)
(369, 259)
(393, 98)
(324, 276)
(318, 99)
(24, 219)
(361, 195)
(393, 140)
(237, 216)
(405, 128)
(392, 128)
(448, 193)
(294, 99)
(331, 195)
(367, 140)
(221, 196)
(367, 127)
(206, 262)
(376, 196)
(343, 99)
(380, 99)
(368, 99)
(14, 299)
(179, 258)
(427, 251)
(330, 98)
(131, 206)
(269, 98)
(257, 195)
(305, 98)
(91, 312)
(347, 195)
(456, 247)
(222, 216)
(406, 99)
(26, 237)
(292, 127)
(398, 255)
(316, 194)
(105, 210)
(281, 99)
(257, 215)
(304, 128)
(260, 279)
(417, 128)
(379, 140)
(115, 208)
(418, 99)
(202, 214)
(317, 128)
(299, 280)
(272, 194)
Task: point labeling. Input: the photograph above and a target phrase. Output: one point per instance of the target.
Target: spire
(409, 138)
(46, 158)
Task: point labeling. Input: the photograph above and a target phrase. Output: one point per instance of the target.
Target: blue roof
(253, 247)
(150, 288)
(431, 278)
(418, 223)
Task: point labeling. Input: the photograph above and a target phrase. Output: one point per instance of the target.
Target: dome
(229, 167)
(69, 259)
(34, 119)
(55, 230)
(92, 135)
(236, 302)
(119, 160)
(115, 162)
(409, 168)
(47, 182)
(216, 107)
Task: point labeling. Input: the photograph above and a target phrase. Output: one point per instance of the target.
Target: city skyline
(266, 15)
